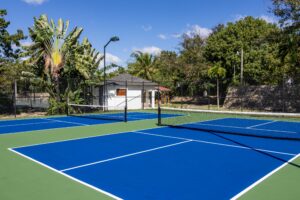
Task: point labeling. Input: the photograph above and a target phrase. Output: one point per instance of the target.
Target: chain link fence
(283, 98)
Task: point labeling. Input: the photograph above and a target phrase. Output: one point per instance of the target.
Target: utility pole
(242, 66)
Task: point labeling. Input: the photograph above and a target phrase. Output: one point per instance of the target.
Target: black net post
(143, 96)
(68, 97)
(15, 98)
(158, 106)
(125, 113)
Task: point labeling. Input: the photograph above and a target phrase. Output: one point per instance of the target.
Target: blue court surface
(24, 125)
(171, 163)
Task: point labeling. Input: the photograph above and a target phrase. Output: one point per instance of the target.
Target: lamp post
(112, 39)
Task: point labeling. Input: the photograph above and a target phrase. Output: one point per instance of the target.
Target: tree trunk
(218, 95)
(57, 89)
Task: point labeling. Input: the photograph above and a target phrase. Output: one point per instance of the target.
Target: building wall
(134, 97)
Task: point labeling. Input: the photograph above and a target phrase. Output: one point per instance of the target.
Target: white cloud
(147, 28)
(193, 30)
(110, 58)
(162, 36)
(239, 17)
(35, 2)
(268, 19)
(198, 30)
(150, 50)
(176, 35)
(26, 43)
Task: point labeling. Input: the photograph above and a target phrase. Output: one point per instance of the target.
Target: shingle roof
(131, 80)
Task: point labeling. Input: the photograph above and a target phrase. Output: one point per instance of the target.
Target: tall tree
(56, 55)
(192, 63)
(168, 70)
(51, 47)
(288, 12)
(9, 50)
(261, 64)
(144, 65)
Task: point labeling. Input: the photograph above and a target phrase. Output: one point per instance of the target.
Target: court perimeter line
(270, 122)
(126, 155)
(62, 121)
(68, 176)
(263, 178)
(216, 143)
(258, 129)
(25, 124)
(79, 138)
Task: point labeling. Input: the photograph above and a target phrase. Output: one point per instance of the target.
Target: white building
(140, 93)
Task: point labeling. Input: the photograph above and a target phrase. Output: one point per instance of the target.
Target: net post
(15, 98)
(143, 96)
(125, 111)
(68, 102)
(158, 106)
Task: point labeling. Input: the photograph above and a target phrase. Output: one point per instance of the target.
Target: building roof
(131, 80)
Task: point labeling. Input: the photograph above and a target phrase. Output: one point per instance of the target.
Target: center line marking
(127, 155)
(219, 144)
(62, 121)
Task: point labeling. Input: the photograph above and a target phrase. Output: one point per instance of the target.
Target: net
(98, 112)
(255, 124)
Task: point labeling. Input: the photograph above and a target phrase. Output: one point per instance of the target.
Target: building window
(121, 92)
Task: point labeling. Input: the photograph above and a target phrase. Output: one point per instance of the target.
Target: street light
(112, 39)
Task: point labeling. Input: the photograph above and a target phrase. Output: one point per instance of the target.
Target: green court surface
(23, 179)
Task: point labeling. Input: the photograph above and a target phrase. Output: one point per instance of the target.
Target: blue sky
(149, 26)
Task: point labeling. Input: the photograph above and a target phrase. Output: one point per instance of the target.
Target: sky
(149, 26)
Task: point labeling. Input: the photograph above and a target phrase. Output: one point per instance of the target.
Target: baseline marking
(124, 156)
(259, 129)
(25, 124)
(263, 178)
(262, 124)
(219, 144)
(66, 175)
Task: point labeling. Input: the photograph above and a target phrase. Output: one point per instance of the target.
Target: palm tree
(143, 66)
(51, 47)
(217, 72)
(56, 56)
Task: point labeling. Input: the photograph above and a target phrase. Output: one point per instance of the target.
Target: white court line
(270, 122)
(82, 138)
(25, 124)
(62, 121)
(263, 178)
(258, 129)
(66, 175)
(219, 144)
(127, 155)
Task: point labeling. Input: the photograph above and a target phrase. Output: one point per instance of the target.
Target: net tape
(115, 113)
(188, 120)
